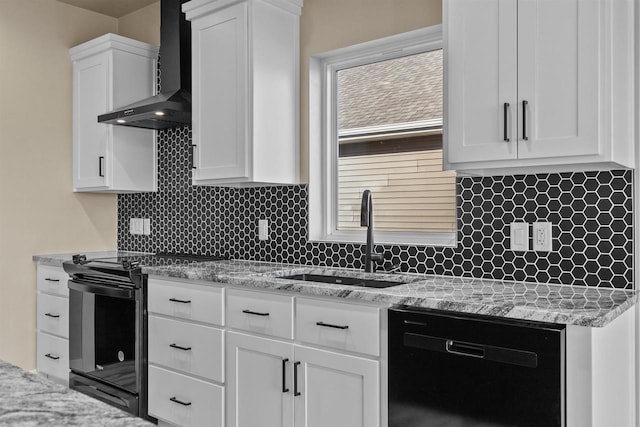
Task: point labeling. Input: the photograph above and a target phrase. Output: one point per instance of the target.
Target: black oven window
(115, 326)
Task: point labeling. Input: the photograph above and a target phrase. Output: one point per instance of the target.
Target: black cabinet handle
(295, 379)
(193, 156)
(329, 325)
(506, 118)
(524, 120)
(284, 376)
(175, 400)
(55, 316)
(179, 347)
(181, 301)
(51, 280)
(100, 160)
(255, 313)
(52, 356)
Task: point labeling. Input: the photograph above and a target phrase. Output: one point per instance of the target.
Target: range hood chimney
(172, 107)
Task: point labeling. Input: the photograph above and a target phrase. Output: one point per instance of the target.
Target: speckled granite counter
(573, 305)
(33, 400)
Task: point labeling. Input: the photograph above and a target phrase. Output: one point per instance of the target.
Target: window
(376, 123)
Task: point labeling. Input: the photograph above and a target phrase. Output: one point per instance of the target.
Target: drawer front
(52, 280)
(264, 313)
(351, 327)
(53, 356)
(53, 314)
(186, 301)
(183, 400)
(194, 349)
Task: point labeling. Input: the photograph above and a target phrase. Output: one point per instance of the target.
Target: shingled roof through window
(401, 90)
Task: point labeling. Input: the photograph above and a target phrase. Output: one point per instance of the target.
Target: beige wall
(143, 24)
(331, 24)
(39, 213)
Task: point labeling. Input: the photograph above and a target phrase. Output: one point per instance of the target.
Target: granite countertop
(32, 400)
(563, 304)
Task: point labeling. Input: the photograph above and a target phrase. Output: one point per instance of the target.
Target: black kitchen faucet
(371, 258)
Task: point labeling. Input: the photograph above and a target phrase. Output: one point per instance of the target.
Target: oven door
(103, 324)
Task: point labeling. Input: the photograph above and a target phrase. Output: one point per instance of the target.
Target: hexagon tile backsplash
(591, 215)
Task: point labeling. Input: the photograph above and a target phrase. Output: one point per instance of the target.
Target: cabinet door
(259, 384)
(481, 69)
(220, 83)
(90, 138)
(336, 390)
(558, 76)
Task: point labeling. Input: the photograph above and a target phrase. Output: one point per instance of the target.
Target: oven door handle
(108, 291)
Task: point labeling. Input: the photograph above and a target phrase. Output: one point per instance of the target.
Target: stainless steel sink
(342, 280)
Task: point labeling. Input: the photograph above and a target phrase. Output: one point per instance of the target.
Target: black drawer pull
(52, 356)
(179, 347)
(51, 280)
(524, 120)
(181, 301)
(55, 316)
(100, 159)
(255, 313)
(506, 118)
(193, 156)
(175, 400)
(295, 379)
(329, 325)
(284, 376)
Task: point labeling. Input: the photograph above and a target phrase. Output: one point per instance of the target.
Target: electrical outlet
(519, 236)
(136, 226)
(263, 229)
(542, 237)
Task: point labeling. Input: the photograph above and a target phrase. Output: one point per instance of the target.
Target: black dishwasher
(448, 369)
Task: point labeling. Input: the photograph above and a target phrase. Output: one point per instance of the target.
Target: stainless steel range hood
(172, 107)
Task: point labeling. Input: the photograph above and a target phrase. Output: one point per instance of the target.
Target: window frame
(323, 134)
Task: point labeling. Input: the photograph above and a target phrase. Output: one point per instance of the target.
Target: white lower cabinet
(337, 390)
(53, 356)
(184, 400)
(259, 381)
(276, 382)
(268, 378)
(262, 358)
(186, 353)
(52, 322)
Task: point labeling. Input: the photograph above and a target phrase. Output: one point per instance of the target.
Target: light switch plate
(519, 236)
(263, 229)
(542, 236)
(146, 226)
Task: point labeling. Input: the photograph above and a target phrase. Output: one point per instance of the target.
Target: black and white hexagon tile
(591, 215)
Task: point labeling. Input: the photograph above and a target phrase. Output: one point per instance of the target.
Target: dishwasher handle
(464, 349)
(510, 356)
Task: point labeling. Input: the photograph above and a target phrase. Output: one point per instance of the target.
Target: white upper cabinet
(110, 72)
(538, 85)
(245, 91)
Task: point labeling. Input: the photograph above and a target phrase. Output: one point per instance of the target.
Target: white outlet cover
(542, 236)
(519, 236)
(136, 226)
(263, 229)
(146, 226)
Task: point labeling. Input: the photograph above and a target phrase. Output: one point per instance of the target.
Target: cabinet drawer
(53, 280)
(202, 404)
(187, 347)
(351, 327)
(53, 356)
(264, 313)
(53, 314)
(186, 301)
